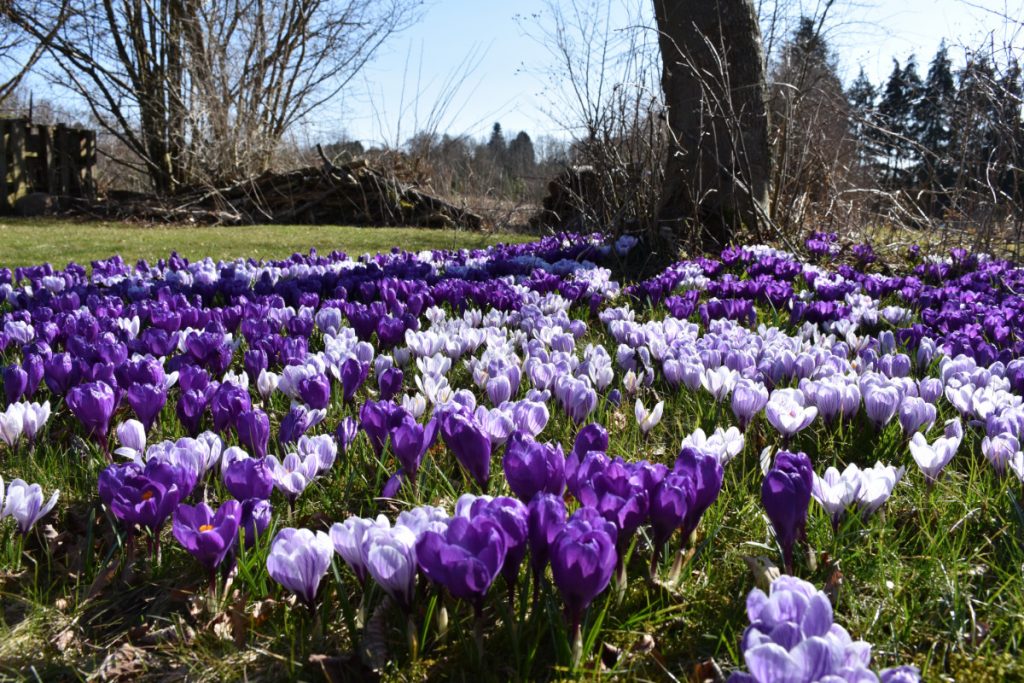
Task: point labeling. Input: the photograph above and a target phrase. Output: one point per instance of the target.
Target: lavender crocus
(298, 560)
(24, 503)
(788, 413)
(836, 491)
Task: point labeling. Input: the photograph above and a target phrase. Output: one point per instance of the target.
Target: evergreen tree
(896, 119)
(496, 144)
(521, 158)
(863, 114)
(933, 116)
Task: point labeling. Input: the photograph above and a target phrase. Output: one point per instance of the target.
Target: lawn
(26, 242)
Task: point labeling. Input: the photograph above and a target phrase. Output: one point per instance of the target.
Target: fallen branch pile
(350, 194)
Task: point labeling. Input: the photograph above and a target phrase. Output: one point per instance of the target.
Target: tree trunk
(713, 77)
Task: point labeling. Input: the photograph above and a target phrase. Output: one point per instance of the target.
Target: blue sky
(507, 83)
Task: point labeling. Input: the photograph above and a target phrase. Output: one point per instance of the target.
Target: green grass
(26, 242)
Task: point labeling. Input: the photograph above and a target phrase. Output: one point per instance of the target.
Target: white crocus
(648, 420)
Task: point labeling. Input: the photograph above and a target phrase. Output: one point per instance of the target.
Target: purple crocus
(147, 497)
(532, 467)
(147, 401)
(468, 441)
(227, 403)
(253, 427)
(209, 536)
(545, 518)
(786, 495)
(255, 517)
(93, 404)
(298, 560)
(583, 559)
(353, 373)
(390, 383)
(315, 390)
(246, 478)
(410, 441)
(15, 382)
(465, 558)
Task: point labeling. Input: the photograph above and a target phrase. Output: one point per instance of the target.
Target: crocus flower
(648, 420)
(147, 401)
(532, 467)
(255, 518)
(15, 382)
(24, 503)
(881, 404)
(410, 442)
(916, 415)
(931, 458)
(253, 427)
(315, 390)
(1000, 450)
(787, 411)
(876, 485)
(545, 518)
(352, 374)
(670, 501)
(389, 555)
(93, 404)
(748, 399)
(345, 433)
(835, 492)
(293, 473)
(132, 436)
(147, 497)
(12, 423)
(470, 444)
(466, 558)
(34, 417)
(583, 559)
(785, 494)
(705, 470)
(209, 536)
(298, 560)
(246, 478)
(348, 536)
(390, 383)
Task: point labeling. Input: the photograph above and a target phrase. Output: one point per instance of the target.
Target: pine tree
(521, 158)
(496, 144)
(933, 132)
(896, 119)
(863, 115)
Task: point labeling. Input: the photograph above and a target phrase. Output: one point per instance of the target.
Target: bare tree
(717, 169)
(19, 51)
(204, 91)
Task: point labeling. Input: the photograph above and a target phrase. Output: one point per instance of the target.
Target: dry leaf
(763, 569)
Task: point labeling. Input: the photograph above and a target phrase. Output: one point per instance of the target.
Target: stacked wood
(350, 194)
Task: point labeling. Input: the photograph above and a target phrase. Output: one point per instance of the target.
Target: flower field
(515, 463)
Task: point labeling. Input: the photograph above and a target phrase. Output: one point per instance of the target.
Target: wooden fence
(57, 160)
